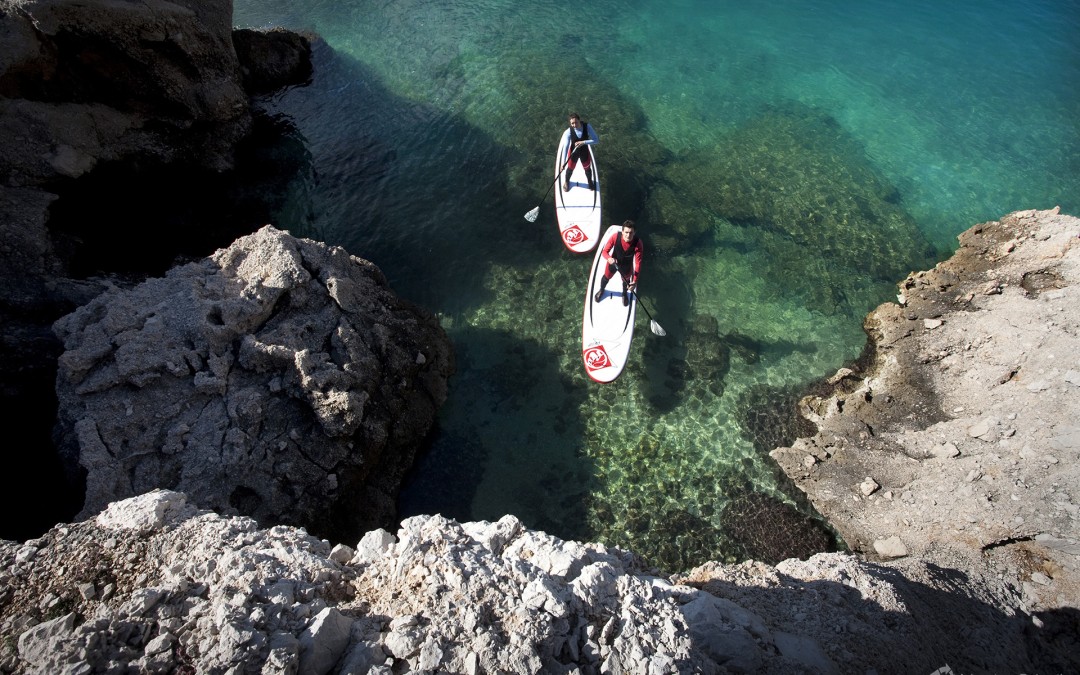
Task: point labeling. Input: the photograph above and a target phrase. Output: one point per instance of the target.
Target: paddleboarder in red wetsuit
(622, 251)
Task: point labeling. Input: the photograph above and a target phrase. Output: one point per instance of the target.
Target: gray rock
(324, 641)
(892, 547)
(804, 651)
(38, 645)
(99, 82)
(203, 346)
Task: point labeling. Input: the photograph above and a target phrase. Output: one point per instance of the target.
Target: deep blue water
(788, 163)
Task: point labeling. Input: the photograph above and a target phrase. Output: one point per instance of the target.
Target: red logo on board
(573, 235)
(596, 358)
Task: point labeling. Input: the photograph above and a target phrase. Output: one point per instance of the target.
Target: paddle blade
(531, 215)
(657, 329)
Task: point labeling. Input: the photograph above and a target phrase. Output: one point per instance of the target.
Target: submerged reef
(795, 181)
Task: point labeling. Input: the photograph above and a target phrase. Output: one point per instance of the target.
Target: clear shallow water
(788, 164)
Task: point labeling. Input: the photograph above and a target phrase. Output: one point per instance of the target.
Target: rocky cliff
(949, 476)
(946, 457)
(136, 91)
(279, 378)
(958, 434)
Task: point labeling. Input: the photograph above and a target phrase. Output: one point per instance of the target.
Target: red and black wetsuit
(627, 258)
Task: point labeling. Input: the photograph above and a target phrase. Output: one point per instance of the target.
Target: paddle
(531, 215)
(656, 328)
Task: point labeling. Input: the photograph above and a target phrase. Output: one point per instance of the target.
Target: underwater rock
(796, 181)
(770, 530)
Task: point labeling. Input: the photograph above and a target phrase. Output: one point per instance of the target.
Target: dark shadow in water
(414, 189)
(770, 530)
(173, 212)
(769, 416)
(512, 424)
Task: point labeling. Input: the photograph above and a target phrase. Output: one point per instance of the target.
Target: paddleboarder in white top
(622, 251)
(581, 134)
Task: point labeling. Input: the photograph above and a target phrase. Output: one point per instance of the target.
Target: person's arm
(592, 138)
(637, 263)
(607, 248)
(589, 138)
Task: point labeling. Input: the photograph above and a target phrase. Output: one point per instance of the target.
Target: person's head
(575, 120)
(628, 230)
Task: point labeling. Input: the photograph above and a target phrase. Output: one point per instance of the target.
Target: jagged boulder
(279, 378)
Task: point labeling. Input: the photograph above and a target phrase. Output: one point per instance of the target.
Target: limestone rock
(277, 379)
(996, 375)
(201, 592)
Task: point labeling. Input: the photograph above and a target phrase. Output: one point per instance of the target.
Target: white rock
(159, 644)
(324, 641)
(979, 429)
(945, 451)
(372, 546)
(1041, 579)
(890, 548)
(145, 513)
(342, 554)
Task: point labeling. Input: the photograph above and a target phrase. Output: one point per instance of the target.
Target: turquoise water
(787, 164)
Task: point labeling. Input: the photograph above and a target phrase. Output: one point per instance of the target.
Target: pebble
(890, 548)
(980, 429)
(945, 451)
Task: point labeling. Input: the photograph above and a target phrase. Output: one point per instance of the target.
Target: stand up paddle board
(608, 326)
(578, 209)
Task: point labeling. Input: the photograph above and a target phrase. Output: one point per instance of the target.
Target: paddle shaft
(647, 312)
(557, 176)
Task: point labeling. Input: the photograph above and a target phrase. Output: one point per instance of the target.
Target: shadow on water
(507, 442)
(174, 212)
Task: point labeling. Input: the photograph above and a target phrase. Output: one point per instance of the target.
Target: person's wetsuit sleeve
(607, 247)
(637, 260)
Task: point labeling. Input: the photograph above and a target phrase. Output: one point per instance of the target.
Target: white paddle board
(608, 326)
(577, 209)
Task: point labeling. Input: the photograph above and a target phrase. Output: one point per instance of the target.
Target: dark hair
(575, 116)
(629, 223)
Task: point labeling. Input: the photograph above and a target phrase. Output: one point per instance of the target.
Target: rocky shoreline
(946, 457)
(958, 439)
(919, 454)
